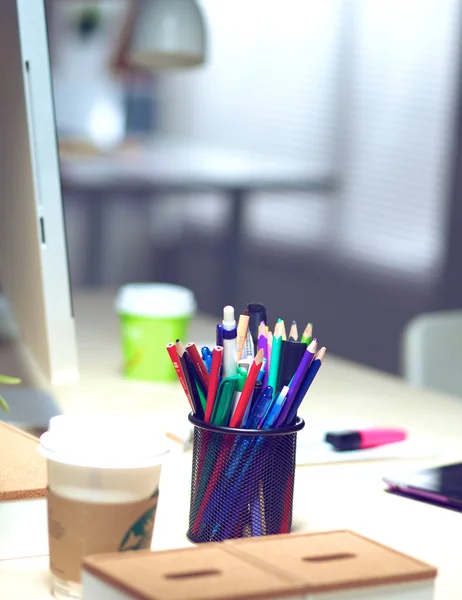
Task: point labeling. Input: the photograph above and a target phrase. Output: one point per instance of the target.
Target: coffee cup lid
(158, 300)
(103, 441)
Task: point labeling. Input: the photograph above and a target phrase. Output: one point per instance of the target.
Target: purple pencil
(296, 382)
(263, 345)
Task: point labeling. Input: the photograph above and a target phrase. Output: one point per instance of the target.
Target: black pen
(257, 314)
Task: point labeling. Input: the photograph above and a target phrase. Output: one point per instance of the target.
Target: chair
(431, 351)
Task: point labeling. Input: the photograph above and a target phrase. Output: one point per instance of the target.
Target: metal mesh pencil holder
(242, 481)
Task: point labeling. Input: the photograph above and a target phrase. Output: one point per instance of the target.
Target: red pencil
(171, 349)
(199, 364)
(236, 419)
(217, 359)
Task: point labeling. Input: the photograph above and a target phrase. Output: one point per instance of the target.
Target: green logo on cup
(139, 536)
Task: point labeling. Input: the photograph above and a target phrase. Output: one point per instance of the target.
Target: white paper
(312, 450)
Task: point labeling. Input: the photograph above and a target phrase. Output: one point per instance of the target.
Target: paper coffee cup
(151, 315)
(103, 486)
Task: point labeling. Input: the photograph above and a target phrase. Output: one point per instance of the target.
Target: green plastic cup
(151, 315)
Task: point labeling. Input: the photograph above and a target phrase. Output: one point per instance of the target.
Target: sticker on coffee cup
(78, 529)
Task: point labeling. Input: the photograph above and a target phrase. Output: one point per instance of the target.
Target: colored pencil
(263, 345)
(270, 350)
(263, 339)
(189, 377)
(283, 330)
(275, 357)
(293, 333)
(217, 359)
(296, 382)
(238, 416)
(242, 328)
(308, 334)
(171, 349)
(306, 384)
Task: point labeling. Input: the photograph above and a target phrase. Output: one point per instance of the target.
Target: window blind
(404, 58)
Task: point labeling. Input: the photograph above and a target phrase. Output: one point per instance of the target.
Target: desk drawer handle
(329, 557)
(192, 574)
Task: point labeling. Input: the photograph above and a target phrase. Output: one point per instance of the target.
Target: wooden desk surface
(335, 496)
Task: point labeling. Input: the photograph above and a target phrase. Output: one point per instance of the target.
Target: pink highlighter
(364, 438)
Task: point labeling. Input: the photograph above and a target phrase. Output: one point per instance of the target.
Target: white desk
(326, 497)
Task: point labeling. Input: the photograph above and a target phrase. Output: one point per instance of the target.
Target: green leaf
(9, 380)
(4, 405)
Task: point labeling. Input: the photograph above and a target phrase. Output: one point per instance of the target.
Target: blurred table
(169, 166)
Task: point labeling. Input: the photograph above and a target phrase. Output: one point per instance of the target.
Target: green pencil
(275, 356)
(307, 336)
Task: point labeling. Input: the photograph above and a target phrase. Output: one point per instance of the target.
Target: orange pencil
(236, 419)
(242, 327)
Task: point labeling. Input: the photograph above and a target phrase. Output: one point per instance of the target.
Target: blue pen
(255, 394)
(239, 500)
(275, 409)
(309, 377)
(219, 335)
(226, 485)
(207, 357)
(262, 370)
(258, 411)
(243, 455)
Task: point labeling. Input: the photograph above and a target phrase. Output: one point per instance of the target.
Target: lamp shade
(168, 34)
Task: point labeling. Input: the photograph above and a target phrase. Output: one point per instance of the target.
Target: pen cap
(379, 436)
(257, 314)
(229, 321)
(291, 355)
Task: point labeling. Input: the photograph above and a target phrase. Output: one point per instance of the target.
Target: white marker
(229, 342)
